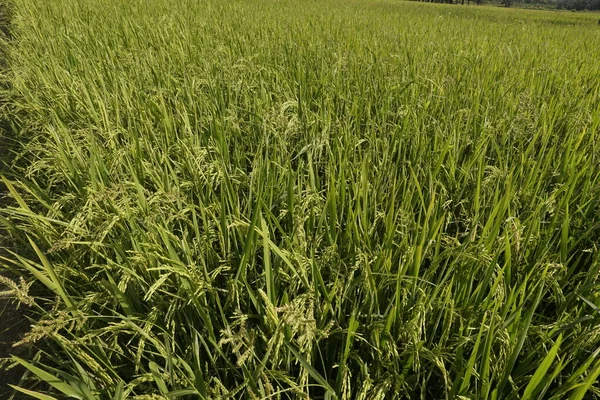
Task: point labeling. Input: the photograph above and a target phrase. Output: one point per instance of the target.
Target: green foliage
(579, 4)
(281, 199)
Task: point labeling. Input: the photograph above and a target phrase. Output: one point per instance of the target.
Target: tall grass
(304, 199)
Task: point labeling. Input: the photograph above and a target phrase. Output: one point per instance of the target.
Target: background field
(286, 199)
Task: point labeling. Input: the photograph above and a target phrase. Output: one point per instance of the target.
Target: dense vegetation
(579, 4)
(285, 199)
(575, 5)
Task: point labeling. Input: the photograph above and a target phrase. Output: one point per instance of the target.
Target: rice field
(259, 199)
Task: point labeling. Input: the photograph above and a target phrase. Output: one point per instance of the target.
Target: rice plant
(363, 199)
